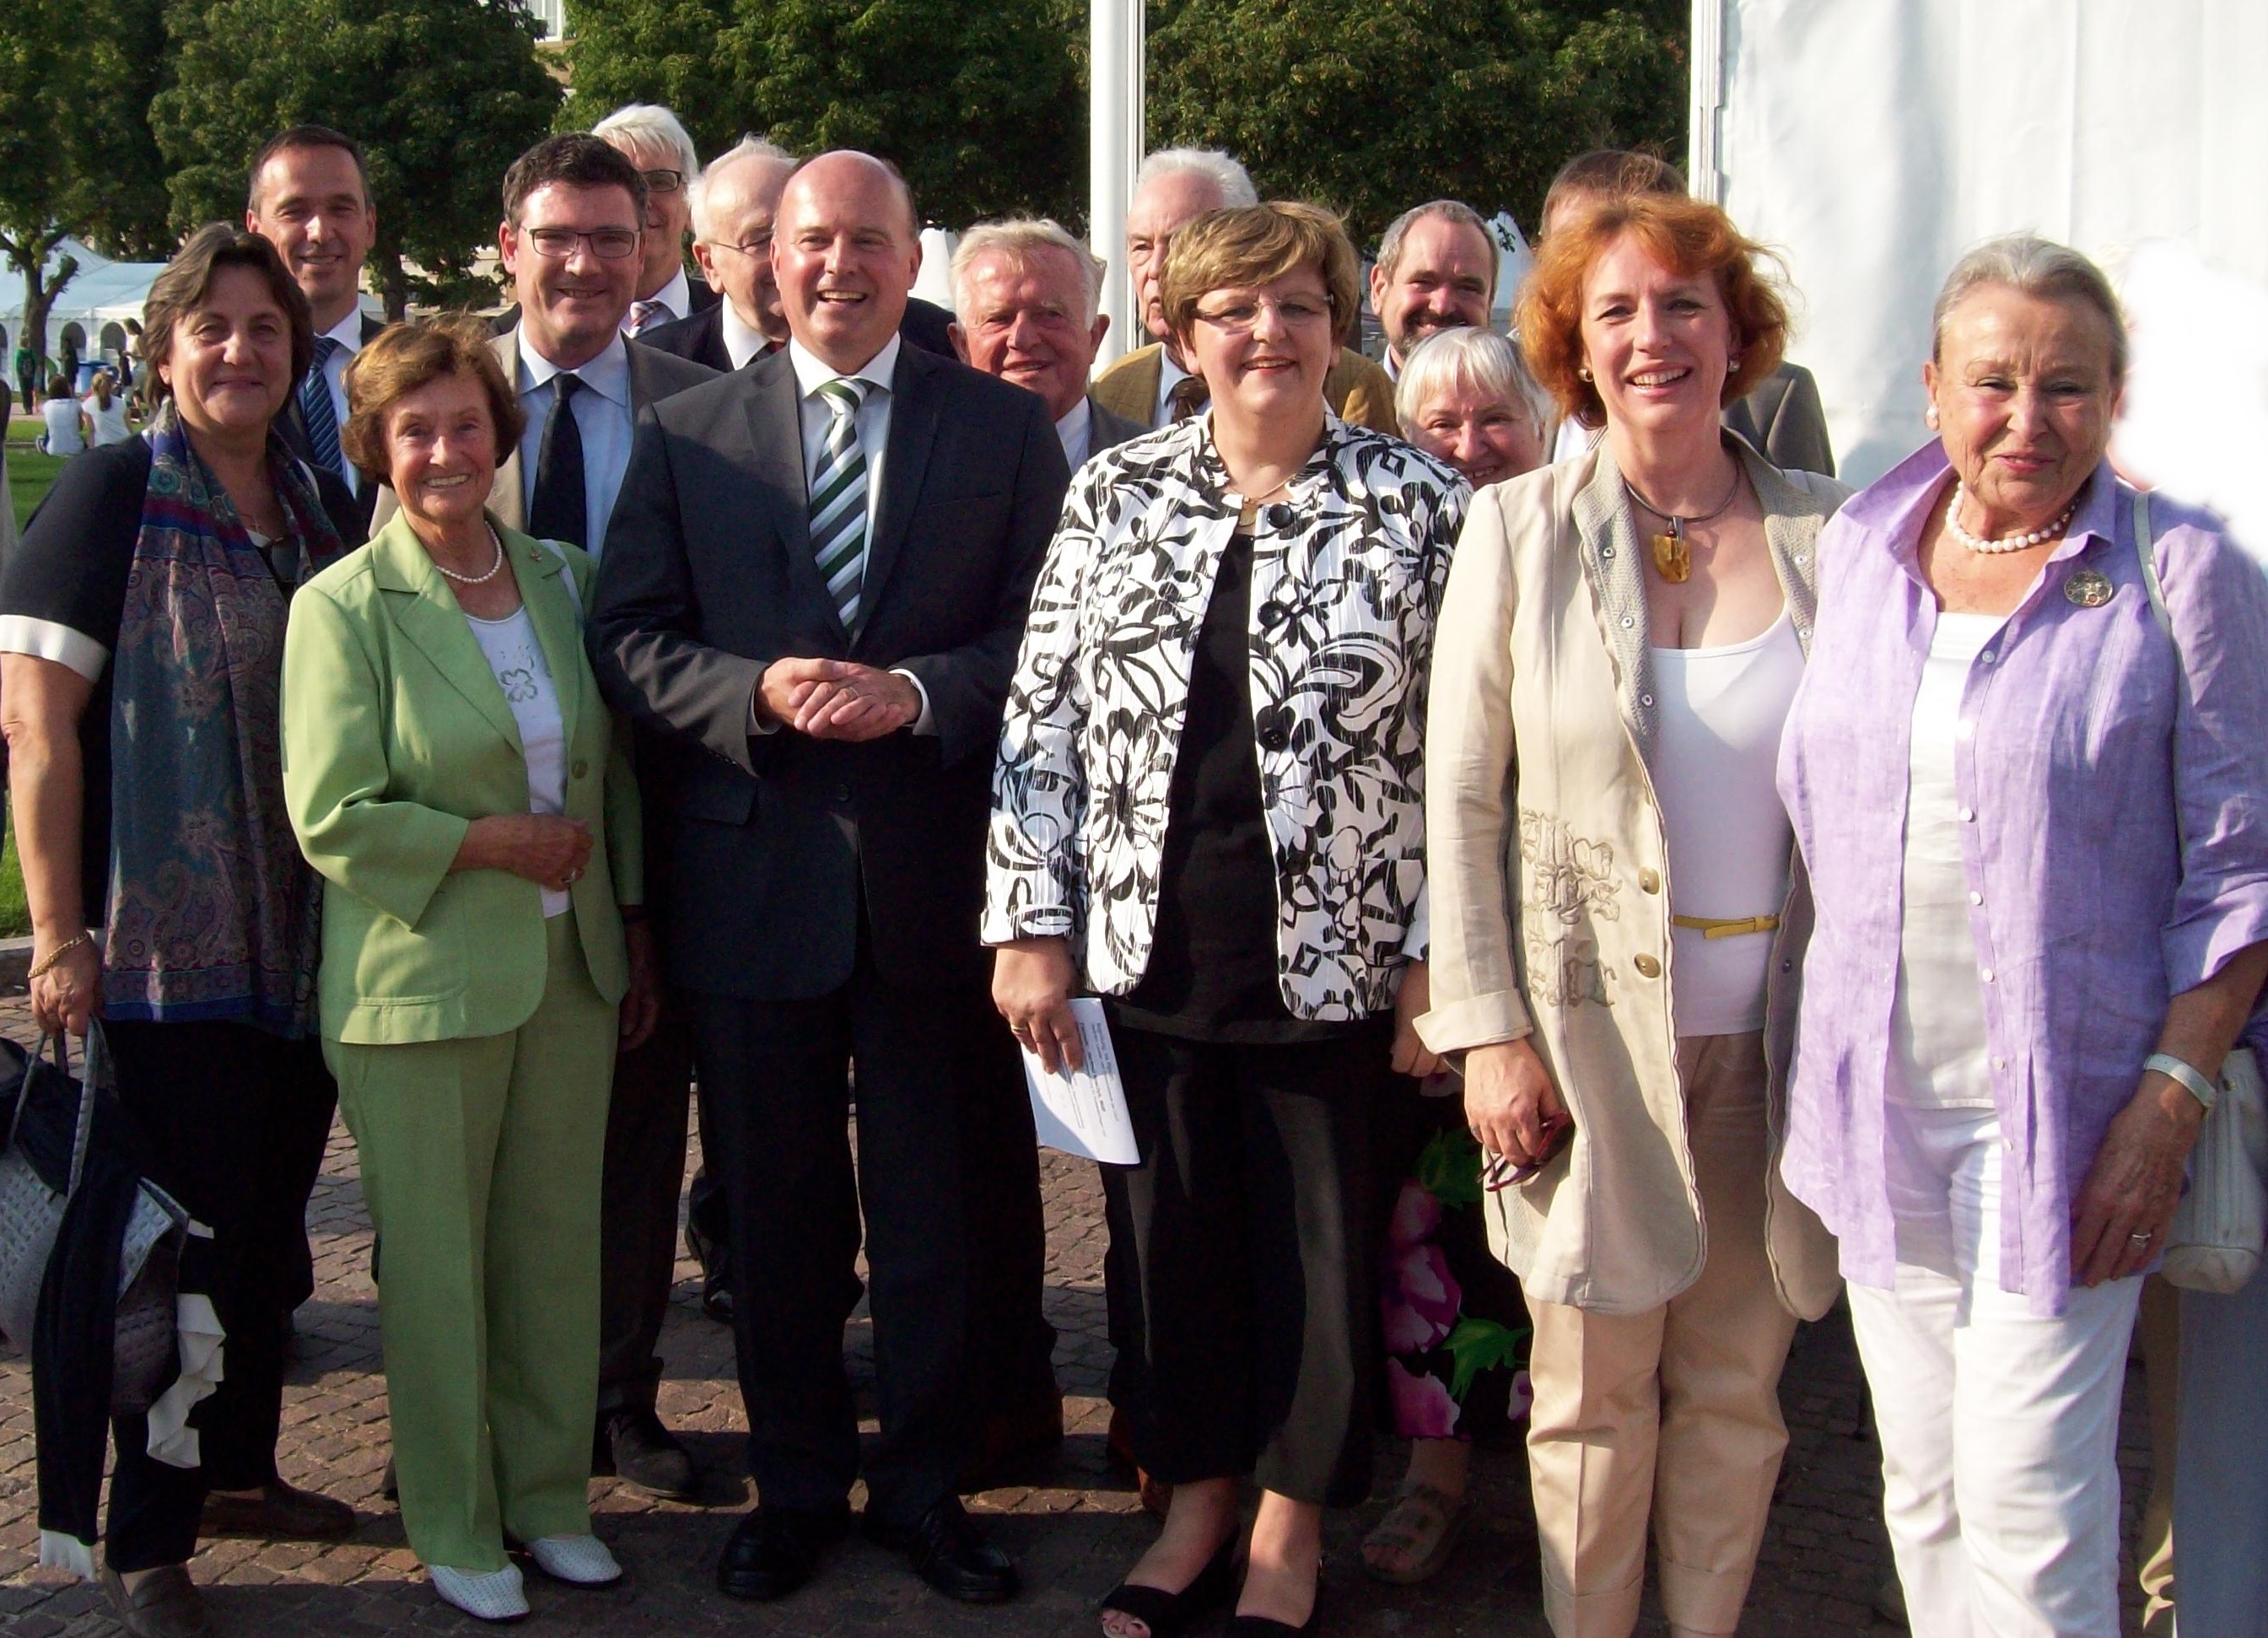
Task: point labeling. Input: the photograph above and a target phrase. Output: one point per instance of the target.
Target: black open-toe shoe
(1267, 1626)
(1169, 1614)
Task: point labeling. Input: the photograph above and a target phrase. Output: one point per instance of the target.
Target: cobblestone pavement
(1073, 1525)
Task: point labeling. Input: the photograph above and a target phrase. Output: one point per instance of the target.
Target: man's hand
(836, 699)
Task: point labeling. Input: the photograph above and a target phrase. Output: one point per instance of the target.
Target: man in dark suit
(817, 577)
(733, 203)
(652, 138)
(309, 196)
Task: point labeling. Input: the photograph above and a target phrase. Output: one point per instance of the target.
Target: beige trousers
(1672, 1415)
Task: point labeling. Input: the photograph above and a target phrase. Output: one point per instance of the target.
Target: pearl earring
(1929, 415)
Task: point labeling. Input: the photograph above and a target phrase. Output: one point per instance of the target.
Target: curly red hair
(1688, 236)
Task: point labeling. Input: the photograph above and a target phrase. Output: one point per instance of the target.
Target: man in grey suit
(573, 222)
(1026, 300)
(816, 580)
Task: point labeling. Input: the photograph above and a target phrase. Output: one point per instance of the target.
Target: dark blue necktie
(322, 416)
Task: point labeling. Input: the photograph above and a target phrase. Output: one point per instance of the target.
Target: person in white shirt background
(653, 140)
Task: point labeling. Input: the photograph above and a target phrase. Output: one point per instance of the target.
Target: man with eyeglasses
(653, 140)
(574, 216)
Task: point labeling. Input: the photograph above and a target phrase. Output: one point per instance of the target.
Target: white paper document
(1084, 1113)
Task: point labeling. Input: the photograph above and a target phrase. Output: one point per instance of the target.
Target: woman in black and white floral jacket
(1209, 804)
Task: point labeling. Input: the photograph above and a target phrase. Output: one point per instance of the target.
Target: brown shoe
(280, 1510)
(165, 1603)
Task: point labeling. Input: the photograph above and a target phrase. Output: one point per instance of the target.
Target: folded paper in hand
(1083, 1111)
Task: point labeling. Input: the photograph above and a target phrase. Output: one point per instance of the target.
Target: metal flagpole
(1115, 144)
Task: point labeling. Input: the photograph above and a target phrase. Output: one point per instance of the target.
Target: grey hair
(1389, 247)
(1017, 238)
(650, 126)
(1220, 169)
(2037, 268)
(1474, 357)
(697, 195)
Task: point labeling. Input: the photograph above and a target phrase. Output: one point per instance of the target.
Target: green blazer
(396, 738)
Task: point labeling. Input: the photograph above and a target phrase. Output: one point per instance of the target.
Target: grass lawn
(29, 475)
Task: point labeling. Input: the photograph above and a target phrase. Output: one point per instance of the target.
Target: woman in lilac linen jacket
(2061, 839)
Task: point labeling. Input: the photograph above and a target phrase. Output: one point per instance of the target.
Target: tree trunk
(30, 257)
(393, 283)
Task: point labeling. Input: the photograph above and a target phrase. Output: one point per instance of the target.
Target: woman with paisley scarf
(1208, 808)
(141, 653)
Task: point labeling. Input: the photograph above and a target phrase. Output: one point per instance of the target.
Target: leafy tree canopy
(443, 95)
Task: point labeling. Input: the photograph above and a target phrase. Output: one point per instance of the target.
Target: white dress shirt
(676, 299)
(742, 340)
(1170, 375)
(873, 422)
(1077, 431)
(347, 333)
(602, 416)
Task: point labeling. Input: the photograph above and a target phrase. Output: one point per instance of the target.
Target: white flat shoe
(581, 1560)
(485, 1594)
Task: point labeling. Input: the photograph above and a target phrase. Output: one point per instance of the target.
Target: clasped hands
(836, 699)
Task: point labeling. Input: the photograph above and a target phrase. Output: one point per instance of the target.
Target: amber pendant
(1673, 557)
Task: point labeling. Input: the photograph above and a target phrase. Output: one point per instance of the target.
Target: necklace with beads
(2011, 542)
(477, 580)
(1673, 554)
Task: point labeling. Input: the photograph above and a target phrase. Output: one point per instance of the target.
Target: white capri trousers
(1999, 1429)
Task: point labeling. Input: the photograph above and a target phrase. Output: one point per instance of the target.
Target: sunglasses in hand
(1498, 1173)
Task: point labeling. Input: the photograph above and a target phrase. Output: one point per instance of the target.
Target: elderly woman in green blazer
(449, 772)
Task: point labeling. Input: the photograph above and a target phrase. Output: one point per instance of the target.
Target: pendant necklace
(1673, 554)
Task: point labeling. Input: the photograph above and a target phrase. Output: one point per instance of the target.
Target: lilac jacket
(2117, 853)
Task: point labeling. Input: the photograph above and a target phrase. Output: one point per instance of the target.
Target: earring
(1929, 417)
(1733, 363)
(1583, 370)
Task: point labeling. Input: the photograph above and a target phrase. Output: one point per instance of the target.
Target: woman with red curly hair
(1622, 916)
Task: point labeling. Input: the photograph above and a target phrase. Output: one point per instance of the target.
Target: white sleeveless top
(1938, 1052)
(1713, 767)
(515, 654)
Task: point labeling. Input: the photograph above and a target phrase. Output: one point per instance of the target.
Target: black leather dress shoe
(947, 1551)
(775, 1551)
(633, 1445)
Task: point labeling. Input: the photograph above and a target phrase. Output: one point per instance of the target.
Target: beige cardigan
(1542, 718)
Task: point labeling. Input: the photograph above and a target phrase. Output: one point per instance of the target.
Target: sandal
(1169, 1614)
(1426, 1523)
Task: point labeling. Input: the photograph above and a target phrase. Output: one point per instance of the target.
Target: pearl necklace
(476, 579)
(2014, 543)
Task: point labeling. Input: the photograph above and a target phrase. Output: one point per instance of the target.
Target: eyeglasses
(609, 244)
(663, 181)
(1297, 313)
(760, 246)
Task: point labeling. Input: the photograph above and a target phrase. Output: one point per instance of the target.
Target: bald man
(817, 575)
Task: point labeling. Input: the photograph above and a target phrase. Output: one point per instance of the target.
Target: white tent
(1872, 141)
(99, 298)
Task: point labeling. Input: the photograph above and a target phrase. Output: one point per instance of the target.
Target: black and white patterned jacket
(1347, 574)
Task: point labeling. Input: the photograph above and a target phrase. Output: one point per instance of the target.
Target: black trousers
(637, 1207)
(777, 1072)
(1245, 1239)
(1010, 1362)
(237, 1121)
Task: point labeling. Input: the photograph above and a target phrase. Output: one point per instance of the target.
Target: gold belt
(1719, 928)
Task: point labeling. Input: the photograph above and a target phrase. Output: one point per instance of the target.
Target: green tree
(977, 100)
(443, 95)
(1373, 105)
(77, 157)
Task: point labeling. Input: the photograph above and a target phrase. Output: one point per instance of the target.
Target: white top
(347, 333)
(1713, 766)
(515, 654)
(62, 417)
(1938, 1054)
(602, 416)
(109, 425)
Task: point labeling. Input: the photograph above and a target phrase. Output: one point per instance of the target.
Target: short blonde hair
(1254, 245)
(405, 357)
(1472, 357)
(1019, 238)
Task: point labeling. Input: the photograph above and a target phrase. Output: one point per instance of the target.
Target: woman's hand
(547, 849)
(1032, 981)
(1416, 996)
(2135, 1184)
(642, 1001)
(1509, 1103)
(68, 993)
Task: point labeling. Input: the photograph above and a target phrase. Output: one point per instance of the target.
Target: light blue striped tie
(322, 415)
(838, 501)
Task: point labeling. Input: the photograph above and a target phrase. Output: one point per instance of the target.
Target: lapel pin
(2087, 589)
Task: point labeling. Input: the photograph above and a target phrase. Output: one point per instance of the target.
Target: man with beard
(1436, 270)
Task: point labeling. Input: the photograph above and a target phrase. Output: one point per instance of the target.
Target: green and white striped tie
(838, 501)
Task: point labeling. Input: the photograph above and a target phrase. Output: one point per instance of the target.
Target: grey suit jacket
(1107, 427)
(654, 376)
(1785, 419)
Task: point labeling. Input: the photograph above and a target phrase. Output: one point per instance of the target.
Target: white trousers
(1999, 1430)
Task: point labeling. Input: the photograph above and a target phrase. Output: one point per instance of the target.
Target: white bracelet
(2174, 1069)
